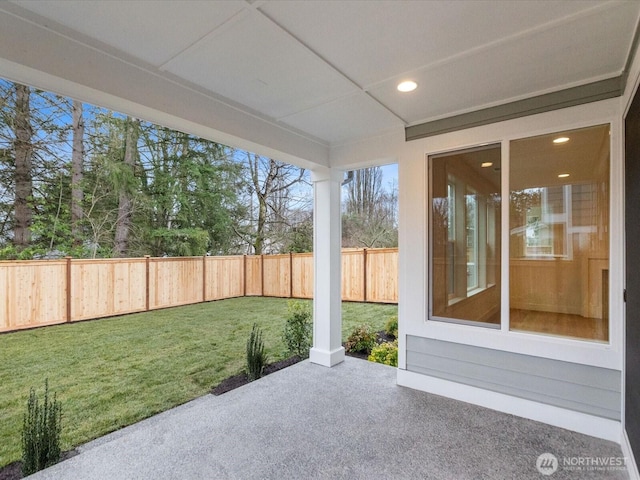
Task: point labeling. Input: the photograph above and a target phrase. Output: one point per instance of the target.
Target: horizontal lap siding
(583, 388)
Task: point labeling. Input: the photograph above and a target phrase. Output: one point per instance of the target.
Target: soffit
(327, 70)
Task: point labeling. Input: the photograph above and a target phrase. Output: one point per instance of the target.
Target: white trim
(412, 242)
(326, 358)
(556, 416)
(505, 166)
(327, 306)
(632, 466)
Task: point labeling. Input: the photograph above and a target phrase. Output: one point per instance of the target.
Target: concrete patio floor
(351, 421)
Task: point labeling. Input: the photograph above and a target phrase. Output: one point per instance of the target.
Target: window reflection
(559, 236)
(465, 243)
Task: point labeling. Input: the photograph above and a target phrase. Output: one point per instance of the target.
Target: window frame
(606, 355)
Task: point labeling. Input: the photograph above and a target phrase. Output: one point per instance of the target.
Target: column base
(326, 358)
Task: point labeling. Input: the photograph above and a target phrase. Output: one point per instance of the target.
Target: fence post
(244, 275)
(364, 270)
(204, 278)
(290, 275)
(146, 269)
(262, 275)
(68, 259)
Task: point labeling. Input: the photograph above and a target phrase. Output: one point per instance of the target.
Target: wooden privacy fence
(47, 292)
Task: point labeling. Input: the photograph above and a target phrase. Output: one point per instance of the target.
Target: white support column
(327, 265)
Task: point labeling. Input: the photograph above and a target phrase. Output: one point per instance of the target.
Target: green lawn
(113, 372)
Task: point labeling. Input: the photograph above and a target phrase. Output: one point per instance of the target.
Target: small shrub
(298, 329)
(362, 339)
(41, 428)
(386, 353)
(391, 327)
(256, 358)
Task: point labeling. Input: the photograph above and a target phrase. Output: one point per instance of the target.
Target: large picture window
(558, 234)
(465, 220)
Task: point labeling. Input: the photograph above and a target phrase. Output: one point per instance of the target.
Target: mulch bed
(13, 471)
(241, 379)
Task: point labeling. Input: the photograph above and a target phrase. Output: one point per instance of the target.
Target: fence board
(175, 281)
(382, 275)
(253, 275)
(106, 287)
(35, 293)
(276, 276)
(302, 275)
(224, 277)
(353, 287)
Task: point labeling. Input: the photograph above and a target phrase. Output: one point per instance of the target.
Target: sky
(389, 172)
(389, 175)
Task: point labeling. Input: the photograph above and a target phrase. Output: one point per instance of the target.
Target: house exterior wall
(430, 351)
(581, 388)
(631, 372)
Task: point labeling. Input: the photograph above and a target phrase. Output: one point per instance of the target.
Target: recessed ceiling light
(561, 140)
(563, 175)
(486, 164)
(408, 86)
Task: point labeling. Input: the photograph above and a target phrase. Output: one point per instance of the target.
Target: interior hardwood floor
(563, 324)
(551, 323)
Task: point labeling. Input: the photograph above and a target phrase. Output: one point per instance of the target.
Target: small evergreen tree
(256, 357)
(41, 430)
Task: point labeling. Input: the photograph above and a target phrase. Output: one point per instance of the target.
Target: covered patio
(348, 422)
(314, 83)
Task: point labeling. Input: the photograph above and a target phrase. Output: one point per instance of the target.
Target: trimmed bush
(41, 428)
(256, 358)
(391, 327)
(386, 353)
(362, 339)
(298, 328)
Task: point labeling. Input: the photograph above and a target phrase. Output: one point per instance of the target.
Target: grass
(113, 372)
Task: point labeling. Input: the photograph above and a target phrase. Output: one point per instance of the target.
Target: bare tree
(23, 153)
(125, 201)
(77, 171)
(270, 184)
(364, 192)
(370, 211)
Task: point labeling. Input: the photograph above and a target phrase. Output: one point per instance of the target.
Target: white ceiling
(326, 71)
